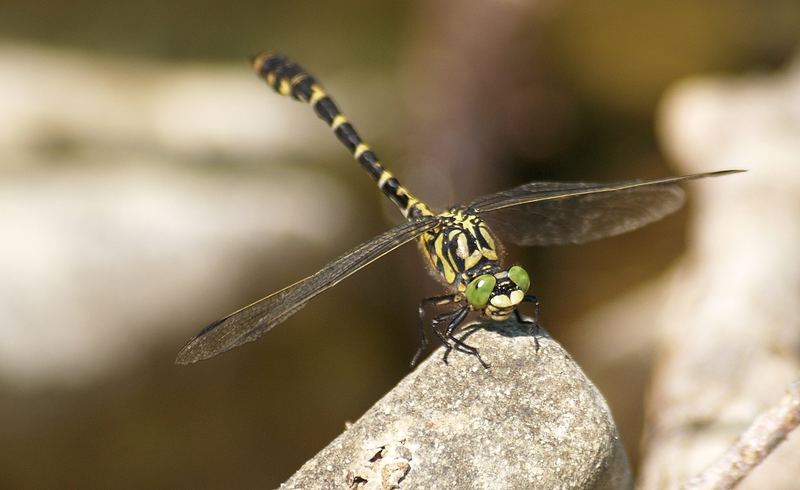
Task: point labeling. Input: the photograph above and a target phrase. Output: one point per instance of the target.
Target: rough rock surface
(531, 421)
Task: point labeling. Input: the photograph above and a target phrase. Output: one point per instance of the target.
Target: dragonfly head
(497, 295)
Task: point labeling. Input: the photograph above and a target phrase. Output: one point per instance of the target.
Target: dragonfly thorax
(461, 248)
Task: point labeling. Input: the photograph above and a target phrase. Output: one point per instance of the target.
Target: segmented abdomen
(290, 79)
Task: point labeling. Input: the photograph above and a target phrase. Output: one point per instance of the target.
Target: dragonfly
(458, 244)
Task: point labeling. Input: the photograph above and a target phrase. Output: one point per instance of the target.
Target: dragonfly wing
(250, 322)
(557, 213)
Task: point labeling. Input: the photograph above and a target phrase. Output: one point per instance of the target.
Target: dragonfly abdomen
(291, 80)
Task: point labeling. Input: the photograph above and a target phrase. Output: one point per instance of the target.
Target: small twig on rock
(768, 430)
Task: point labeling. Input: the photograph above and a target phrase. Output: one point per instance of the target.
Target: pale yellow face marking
(501, 301)
(361, 148)
(338, 121)
(284, 88)
(316, 94)
(517, 296)
(498, 315)
(270, 78)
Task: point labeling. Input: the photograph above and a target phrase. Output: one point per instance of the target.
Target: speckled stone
(531, 421)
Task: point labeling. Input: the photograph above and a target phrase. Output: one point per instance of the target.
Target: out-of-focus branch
(479, 92)
(765, 433)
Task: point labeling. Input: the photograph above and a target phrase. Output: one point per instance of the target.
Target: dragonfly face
(498, 295)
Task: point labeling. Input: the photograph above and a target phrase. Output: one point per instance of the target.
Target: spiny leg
(289, 79)
(444, 318)
(535, 322)
(456, 321)
(423, 339)
(438, 320)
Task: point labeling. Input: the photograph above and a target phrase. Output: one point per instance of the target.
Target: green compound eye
(479, 289)
(520, 278)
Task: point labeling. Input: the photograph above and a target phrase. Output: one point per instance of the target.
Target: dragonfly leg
(535, 322)
(454, 323)
(443, 318)
(423, 339)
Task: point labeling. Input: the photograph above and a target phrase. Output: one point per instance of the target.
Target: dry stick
(765, 433)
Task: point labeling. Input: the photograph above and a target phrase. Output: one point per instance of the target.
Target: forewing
(250, 322)
(557, 213)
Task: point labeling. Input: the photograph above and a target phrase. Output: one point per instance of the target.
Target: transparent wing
(250, 322)
(557, 213)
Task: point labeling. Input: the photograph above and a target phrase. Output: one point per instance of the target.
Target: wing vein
(250, 322)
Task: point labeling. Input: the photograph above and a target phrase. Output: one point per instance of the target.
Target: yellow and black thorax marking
(461, 248)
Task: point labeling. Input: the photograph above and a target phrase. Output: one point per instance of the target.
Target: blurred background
(150, 183)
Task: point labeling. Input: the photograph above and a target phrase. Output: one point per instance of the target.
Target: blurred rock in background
(149, 183)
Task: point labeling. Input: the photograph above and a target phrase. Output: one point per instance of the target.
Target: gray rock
(531, 421)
